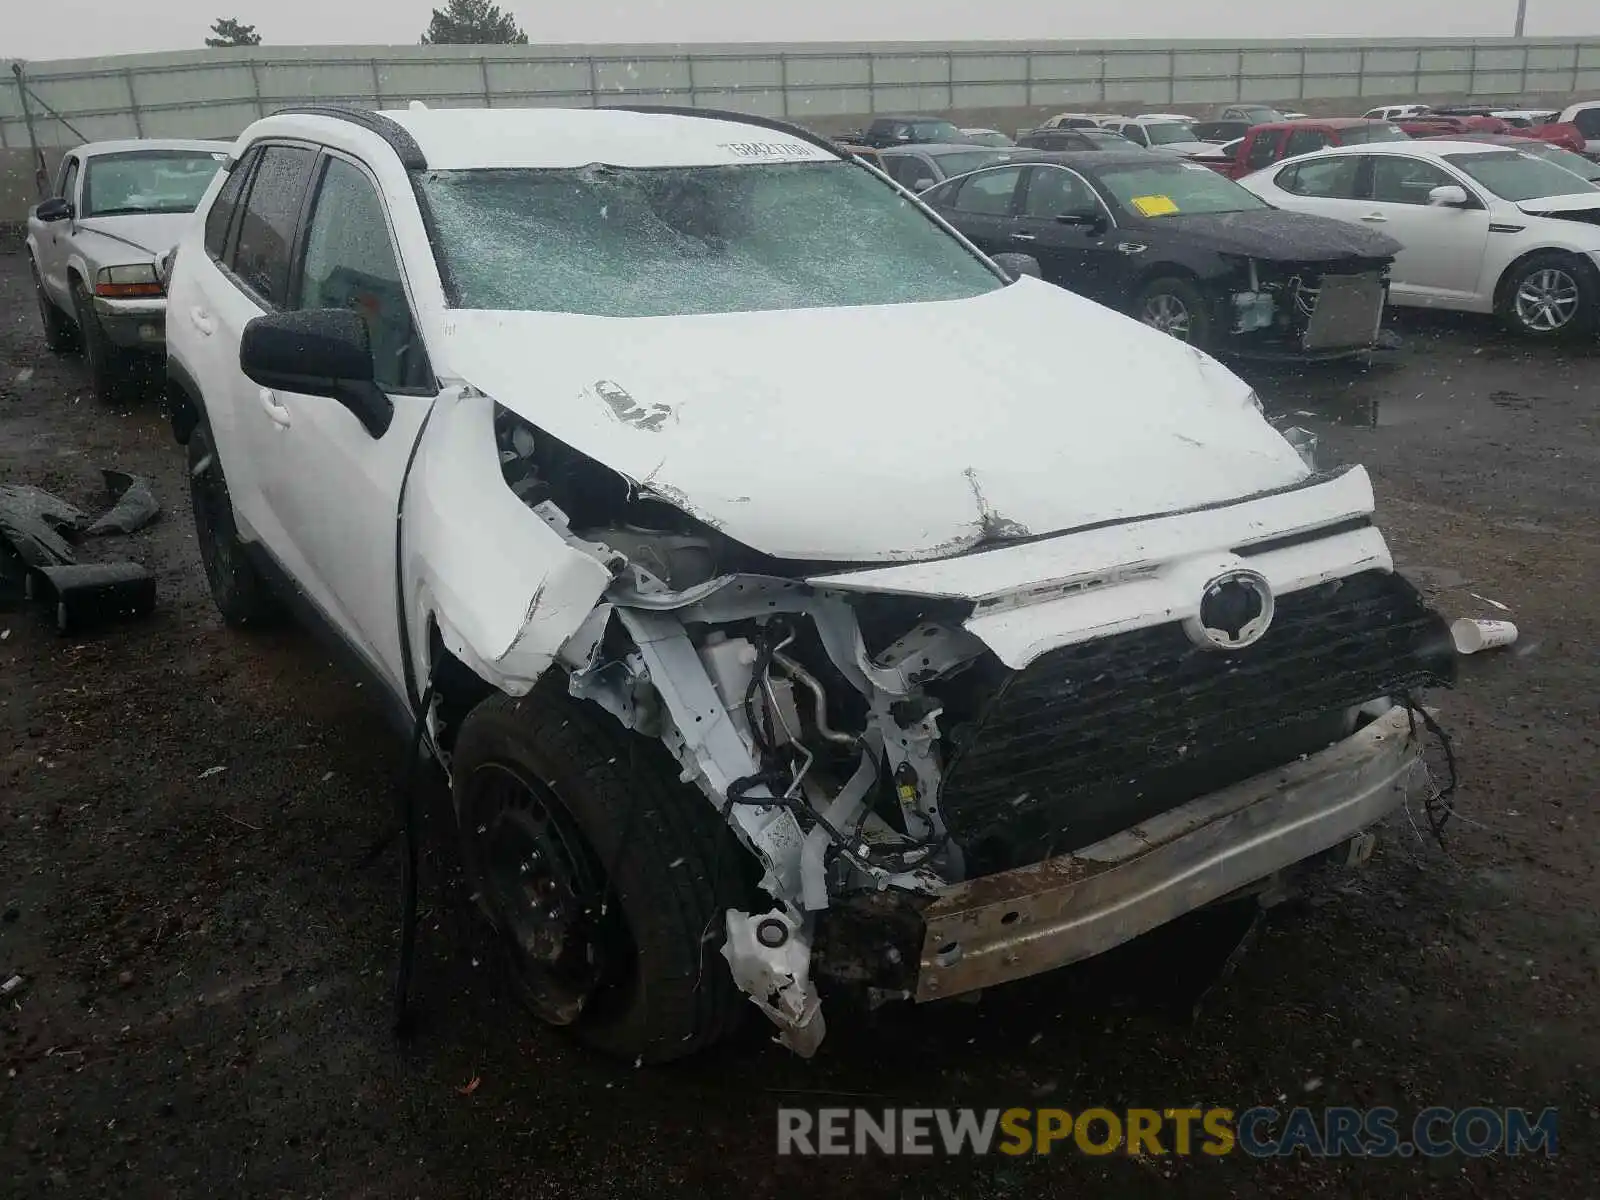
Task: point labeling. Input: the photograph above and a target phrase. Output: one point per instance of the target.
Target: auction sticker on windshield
(1155, 206)
(771, 151)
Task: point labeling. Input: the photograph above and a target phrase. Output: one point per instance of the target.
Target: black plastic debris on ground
(88, 594)
(134, 504)
(39, 561)
(33, 523)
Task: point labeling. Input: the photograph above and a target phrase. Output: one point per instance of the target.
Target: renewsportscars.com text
(1259, 1132)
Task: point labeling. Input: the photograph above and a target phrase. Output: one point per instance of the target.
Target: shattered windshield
(148, 181)
(627, 242)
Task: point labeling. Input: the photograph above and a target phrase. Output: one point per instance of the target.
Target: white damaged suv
(795, 599)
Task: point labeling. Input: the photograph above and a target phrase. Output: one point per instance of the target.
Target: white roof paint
(476, 138)
(127, 145)
(1417, 148)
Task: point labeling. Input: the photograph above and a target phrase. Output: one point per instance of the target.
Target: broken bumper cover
(1036, 918)
(134, 324)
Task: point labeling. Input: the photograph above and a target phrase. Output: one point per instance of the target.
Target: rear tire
(60, 335)
(242, 596)
(1551, 295)
(1177, 308)
(110, 366)
(553, 797)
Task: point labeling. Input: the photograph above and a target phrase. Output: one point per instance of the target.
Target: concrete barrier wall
(216, 93)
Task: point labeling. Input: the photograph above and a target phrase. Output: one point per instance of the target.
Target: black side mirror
(1017, 265)
(319, 352)
(54, 209)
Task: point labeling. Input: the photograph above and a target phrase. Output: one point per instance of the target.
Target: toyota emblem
(1235, 611)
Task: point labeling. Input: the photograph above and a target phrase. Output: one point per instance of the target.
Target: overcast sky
(87, 28)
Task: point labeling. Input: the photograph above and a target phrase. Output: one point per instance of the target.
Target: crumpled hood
(133, 238)
(1274, 235)
(887, 433)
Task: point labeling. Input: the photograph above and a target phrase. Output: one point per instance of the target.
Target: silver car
(93, 245)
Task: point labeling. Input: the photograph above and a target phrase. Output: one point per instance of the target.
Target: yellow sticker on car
(1155, 206)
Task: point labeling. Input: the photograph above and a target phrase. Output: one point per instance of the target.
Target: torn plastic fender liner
(506, 590)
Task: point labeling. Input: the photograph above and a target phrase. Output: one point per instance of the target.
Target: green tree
(228, 32)
(473, 23)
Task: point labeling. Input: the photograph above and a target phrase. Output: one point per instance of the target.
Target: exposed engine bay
(871, 750)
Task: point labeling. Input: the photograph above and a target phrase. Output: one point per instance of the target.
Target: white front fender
(505, 589)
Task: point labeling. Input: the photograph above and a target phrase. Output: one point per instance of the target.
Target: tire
(110, 366)
(242, 596)
(60, 335)
(638, 977)
(1176, 307)
(1550, 295)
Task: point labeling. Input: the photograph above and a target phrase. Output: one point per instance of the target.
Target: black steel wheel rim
(547, 892)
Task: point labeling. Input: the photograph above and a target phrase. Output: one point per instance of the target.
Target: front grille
(1092, 738)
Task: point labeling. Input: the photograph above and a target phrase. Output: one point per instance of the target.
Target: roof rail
(723, 114)
(400, 141)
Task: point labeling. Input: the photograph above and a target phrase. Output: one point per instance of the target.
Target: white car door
(52, 239)
(332, 489)
(1442, 257)
(245, 274)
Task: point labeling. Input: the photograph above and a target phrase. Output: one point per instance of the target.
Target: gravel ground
(208, 953)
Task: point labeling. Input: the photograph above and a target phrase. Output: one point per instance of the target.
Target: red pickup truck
(1266, 144)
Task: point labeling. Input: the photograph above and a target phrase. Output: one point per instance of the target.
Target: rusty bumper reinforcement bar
(1035, 918)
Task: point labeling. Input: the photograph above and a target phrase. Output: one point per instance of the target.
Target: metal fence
(197, 93)
(213, 93)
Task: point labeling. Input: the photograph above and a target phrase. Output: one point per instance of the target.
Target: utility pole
(1522, 16)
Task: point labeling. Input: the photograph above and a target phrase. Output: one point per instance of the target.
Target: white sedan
(1485, 228)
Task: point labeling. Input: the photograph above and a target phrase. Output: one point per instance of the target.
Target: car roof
(127, 145)
(1099, 159)
(1502, 139)
(1426, 147)
(937, 148)
(556, 138)
(910, 117)
(1326, 123)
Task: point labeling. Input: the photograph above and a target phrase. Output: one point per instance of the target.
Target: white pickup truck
(913, 673)
(93, 246)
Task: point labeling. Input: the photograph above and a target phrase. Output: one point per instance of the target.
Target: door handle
(1375, 218)
(276, 412)
(1024, 237)
(201, 320)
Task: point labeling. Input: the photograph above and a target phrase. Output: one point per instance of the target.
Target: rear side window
(908, 169)
(1263, 151)
(1304, 141)
(1588, 122)
(267, 225)
(1328, 179)
(220, 219)
(988, 193)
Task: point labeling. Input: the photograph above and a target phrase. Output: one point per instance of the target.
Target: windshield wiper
(136, 212)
